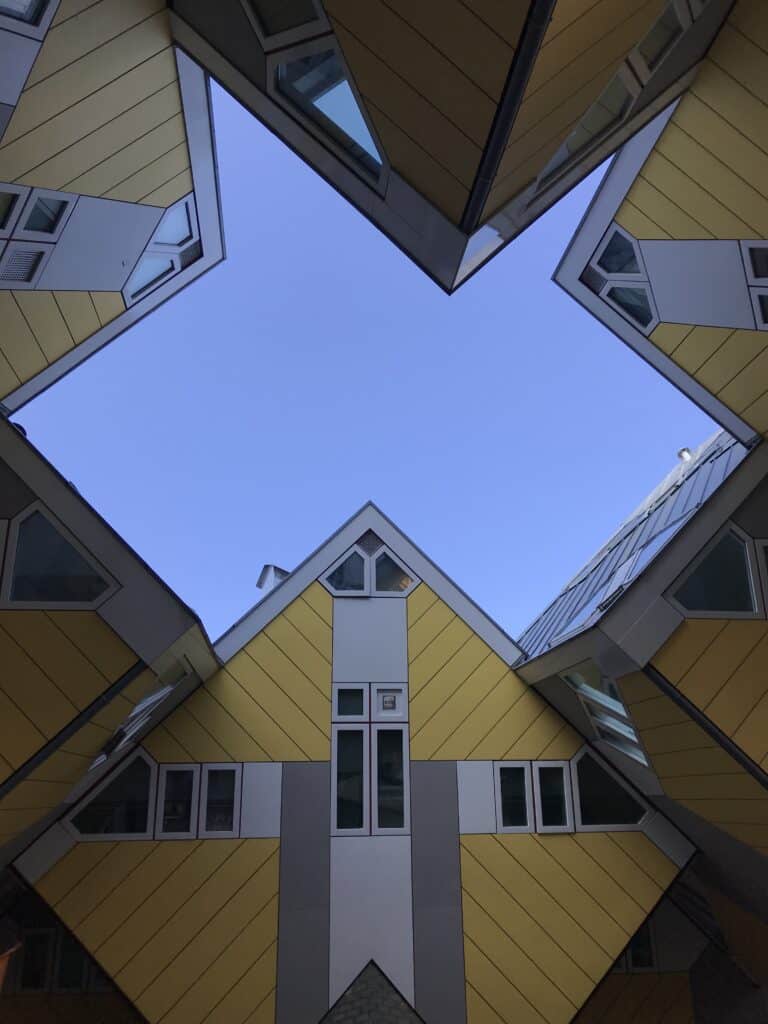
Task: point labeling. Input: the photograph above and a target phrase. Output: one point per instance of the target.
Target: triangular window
(390, 576)
(602, 799)
(721, 582)
(49, 569)
(122, 806)
(349, 575)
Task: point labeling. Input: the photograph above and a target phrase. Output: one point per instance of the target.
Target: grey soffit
(637, 541)
(17, 55)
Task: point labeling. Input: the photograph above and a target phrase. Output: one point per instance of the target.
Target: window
(661, 39)
(45, 215)
(350, 702)
(36, 959)
(220, 801)
(619, 256)
(120, 807)
(25, 10)
(316, 84)
(514, 797)
(149, 272)
(601, 800)
(721, 581)
(605, 709)
(390, 760)
(552, 796)
(617, 274)
(369, 569)
(173, 247)
(71, 969)
(47, 567)
(633, 301)
(8, 201)
(350, 780)
(177, 805)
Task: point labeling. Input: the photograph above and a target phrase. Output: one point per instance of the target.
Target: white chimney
(685, 455)
(270, 576)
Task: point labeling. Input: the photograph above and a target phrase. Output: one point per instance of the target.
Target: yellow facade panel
(637, 223)
(175, 188)
(419, 600)
(45, 321)
(646, 209)
(108, 306)
(736, 353)
(78, 310)
(319, 600)
(225, 729)
(453, 649)
(699, 346)
(18, 344)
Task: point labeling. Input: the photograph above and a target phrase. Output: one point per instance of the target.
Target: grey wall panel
(477, 807)
(262, 786)
(370, 642)
(438, 945)
(699, 282)
(17, 55)
(752, 516)
(14, 493)
(679, 942)
(226, 27)
(100, 245)
(302, 952)
(44, 853)
(6, 110)
(371, 910)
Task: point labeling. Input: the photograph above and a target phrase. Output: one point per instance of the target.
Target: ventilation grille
(21, 264)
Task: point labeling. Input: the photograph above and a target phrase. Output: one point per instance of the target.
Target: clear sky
(504, 429)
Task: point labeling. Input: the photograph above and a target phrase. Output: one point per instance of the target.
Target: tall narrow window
(351, 757)
(121, 807)
(551, 784)
(177, 800)
(514, 807)
(390, 778)
(721, 582)
(220, 801)
(48, 569)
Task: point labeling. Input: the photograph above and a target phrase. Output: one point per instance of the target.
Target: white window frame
(21, 192)
(381, 716)
(642, 274)
(111, 837)
(376, 728)
(753, 568)
(752, 279)
(638, 826)
(25, 28)
(349, 719)
(84, 977)
(366, 589)
(363, 727)
(194, 813)
(166, 250)
(237, 768)
(7, 578)
(290, 37)
(52, 945)
(530, 812)
(636, 59)
(24, 235)
(384, 550)
(569, 820)
(369, 574)
(754, 293)
(641, 285)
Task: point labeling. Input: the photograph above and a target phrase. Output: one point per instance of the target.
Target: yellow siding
(270, 702)
(465, 702)
(545, 916)
(430, 75)
(646, 998)
(188, 930)
(101, 111)
(40, 327)
(582, 49)
(45, 787)
(691, 766)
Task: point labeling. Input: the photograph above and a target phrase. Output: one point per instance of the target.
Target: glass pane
(48, 568)
(24, 10)
(35, 960)
(220, 801)
(514, 807)
(619, 256)
(370, 542)
(71, 966)
(389, 575)
(150, 271)
(763, 302)
(602, 799)
(282, 15)
(720, 582)
(625, 746)
(174, 227)
(350, 702)
(318, 85)
(177, 805)
(588, 678)
(758, 257)
(45, 215)
(661, 38)
(349, 575)
(552, 793)
(634, 302)
(122, 807)
(641, 949)
(349, 778)
(7, 203)
(606, 112)
(389, 783)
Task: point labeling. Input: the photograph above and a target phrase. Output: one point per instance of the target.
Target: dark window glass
(602, 799)
(758, 257)
(23, 10)
(349, 778)
(720, 582)
(318, 85)
(661, 38)
(514, 807)
(552, 793)
(350, 702)
(282, 15)
(370, 542)
(45, 215)
(389, 783)
(48, 568)
(177, 804)
(70, 972)
(389, 575)
(634, 302)
(35, 960)
(641, 949)
(349, 575)
(763, 300)
(122, 807)
(7, 201)
(220, 801)
(619, 256)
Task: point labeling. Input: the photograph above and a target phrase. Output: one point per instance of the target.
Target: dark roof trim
(706, 724)
(520, 69)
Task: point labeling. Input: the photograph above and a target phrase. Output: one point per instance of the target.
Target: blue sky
(505, 430)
